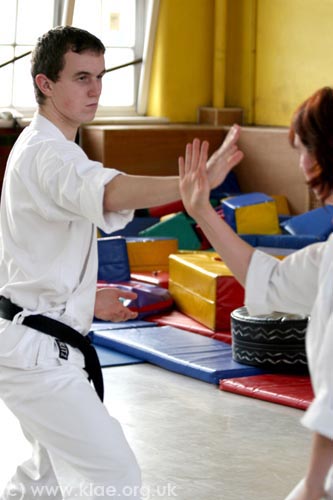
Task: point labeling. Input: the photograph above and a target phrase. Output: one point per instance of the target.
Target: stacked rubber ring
(275, 342)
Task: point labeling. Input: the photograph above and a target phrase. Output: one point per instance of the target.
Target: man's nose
(95, 88)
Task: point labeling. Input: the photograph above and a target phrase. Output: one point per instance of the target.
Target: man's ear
(44, 84)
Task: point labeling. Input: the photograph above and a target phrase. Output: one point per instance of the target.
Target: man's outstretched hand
(224, 158)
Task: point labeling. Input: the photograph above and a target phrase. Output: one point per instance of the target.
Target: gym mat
(289, 390)
(180, 320)
(177, 350)
(109, 357)
(111, 325)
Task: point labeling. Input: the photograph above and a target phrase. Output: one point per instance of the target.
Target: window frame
(146, 22)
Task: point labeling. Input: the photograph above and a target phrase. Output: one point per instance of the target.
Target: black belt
(65, 334)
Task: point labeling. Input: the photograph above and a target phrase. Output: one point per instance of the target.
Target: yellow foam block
(204, 288)
(252, 213)
(258, 219)
(282, 204)
(150, 254)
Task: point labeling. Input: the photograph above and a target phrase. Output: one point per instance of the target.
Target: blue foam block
(108, 357)
(238, 213)
(177, 350)
(113, 263)
(317, 222)
(286, 240)
(229, 187)
(291, 241)
(242, 200)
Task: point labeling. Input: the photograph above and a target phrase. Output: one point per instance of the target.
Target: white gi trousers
(79, 450)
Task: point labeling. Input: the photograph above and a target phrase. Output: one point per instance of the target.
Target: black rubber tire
(275, 342)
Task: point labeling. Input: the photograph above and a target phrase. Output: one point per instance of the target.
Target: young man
(53, 198)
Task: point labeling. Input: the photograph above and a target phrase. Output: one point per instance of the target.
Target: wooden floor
(193, 441)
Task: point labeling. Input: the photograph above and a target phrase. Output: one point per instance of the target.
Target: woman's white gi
(302, 284)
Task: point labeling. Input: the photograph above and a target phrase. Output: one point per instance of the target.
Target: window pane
(34, 18)
(118, 86)
(23, 94)
(118, 23)
(6, 53)
(8, 13)
(113, 21)
(88, 16)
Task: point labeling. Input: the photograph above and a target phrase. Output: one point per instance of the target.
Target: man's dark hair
(48, 54)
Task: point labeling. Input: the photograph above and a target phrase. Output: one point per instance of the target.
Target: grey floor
(193, 441)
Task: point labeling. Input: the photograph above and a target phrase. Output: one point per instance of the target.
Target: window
(19, 30)
(120, 24)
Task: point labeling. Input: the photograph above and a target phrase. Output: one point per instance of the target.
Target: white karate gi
(51, 203)
(302, 283)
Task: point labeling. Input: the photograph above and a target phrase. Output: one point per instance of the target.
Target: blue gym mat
(177, 350)
(109, 357)
(110, 325)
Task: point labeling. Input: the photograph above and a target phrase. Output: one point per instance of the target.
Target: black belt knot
(64, 333)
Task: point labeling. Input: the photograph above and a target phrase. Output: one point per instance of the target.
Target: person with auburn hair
(302, 283)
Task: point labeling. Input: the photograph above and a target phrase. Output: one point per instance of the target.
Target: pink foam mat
(289, 390)
(179, 320)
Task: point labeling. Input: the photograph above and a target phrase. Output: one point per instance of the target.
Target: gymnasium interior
(210, 398)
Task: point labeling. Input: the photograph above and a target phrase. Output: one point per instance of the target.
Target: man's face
(75, 95)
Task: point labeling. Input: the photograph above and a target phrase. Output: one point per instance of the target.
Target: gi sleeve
(289, 285)
(76, 186)
(319, 416)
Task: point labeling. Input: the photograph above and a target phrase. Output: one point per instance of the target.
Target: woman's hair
(313, 123)
(48, 54)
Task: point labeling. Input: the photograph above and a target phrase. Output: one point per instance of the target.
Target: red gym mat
(159, 278)
(289, 390)
(179, 320)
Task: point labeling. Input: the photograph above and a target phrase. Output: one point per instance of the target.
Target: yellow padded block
(258, 219)
(150, 254)
(251, 213)
(204, 288)
(282, 204)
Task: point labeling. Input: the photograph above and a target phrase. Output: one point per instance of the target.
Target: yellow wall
(240, 63)
(183, 58)
(294, 55)
(276, 53)
(219, 53)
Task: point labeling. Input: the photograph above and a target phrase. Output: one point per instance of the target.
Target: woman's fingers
(204, 154)
(195, 154)
(188, 157)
